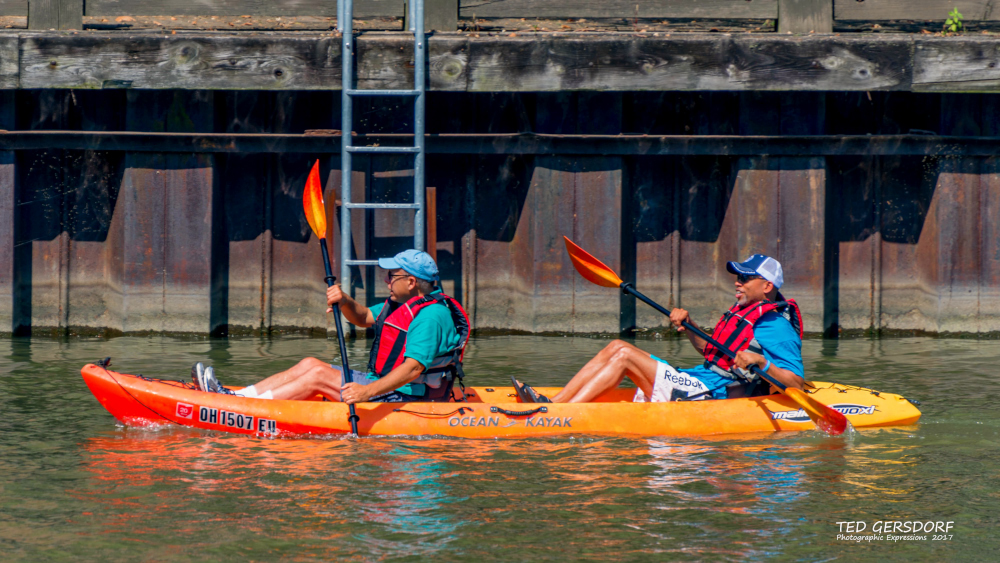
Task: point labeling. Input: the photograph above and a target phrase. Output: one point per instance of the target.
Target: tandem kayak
(489, 412)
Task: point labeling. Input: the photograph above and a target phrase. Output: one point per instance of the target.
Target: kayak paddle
(594, 271)
(312, 202)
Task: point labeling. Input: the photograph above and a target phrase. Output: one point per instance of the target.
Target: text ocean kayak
(489, 412)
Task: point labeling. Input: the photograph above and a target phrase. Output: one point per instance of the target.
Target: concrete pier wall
(201, 242)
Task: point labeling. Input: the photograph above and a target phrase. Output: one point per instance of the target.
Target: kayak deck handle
(519, 413)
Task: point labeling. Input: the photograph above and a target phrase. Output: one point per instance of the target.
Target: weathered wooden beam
(55, 14)
(14, 8)
(441, 15)
(538, 63)
(43, 14)
(805, 16)
(362, 8)
(70, 14)
(689, 63)
(9, 62)
(751, 9)
(956, 64)
(386, 62)
(203, 62)
(755, 9)
(972, 10)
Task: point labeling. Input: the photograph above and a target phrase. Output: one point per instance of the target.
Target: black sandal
(527, 394)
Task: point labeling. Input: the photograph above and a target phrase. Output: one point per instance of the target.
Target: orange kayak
(489, 412)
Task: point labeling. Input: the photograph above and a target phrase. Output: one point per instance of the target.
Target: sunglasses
(744, 278)
(389, 277)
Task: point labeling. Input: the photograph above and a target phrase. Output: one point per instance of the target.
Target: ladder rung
(381, 206)
(400, 150)
(361, 262)
(354, 92)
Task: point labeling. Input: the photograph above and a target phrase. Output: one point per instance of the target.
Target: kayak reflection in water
(420, 337)
(762, 327)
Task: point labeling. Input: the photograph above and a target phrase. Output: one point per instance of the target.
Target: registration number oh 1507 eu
(236, 420)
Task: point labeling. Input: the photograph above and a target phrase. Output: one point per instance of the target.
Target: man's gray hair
(424, 286)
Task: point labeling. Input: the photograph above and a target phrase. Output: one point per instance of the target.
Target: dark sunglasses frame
(744, 278)
(389, 278)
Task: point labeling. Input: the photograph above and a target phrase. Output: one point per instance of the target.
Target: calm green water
(75, 485)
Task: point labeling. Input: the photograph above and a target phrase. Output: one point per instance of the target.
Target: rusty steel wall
(528, 283)
(204, 243)
(916, 238)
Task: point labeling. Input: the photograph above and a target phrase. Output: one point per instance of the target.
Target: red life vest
(393, 323)
(735, 329)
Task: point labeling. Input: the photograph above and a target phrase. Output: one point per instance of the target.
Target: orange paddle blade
(592, 269)
(828, 420)
(312, 201)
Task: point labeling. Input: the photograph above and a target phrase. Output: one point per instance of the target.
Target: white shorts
(671, 385)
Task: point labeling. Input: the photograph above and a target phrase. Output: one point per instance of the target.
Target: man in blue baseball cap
(762, 327)
(420, 337)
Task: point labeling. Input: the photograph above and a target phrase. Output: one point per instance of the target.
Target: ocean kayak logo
(474, 421)
(846, 409)
(184, 410)
(535, 422)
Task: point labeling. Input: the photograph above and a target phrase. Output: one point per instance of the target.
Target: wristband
(767, 366)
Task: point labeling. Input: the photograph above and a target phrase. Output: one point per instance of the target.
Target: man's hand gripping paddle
(312, 201)
(594, 271)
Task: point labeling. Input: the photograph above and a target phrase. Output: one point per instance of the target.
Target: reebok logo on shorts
(680, 380)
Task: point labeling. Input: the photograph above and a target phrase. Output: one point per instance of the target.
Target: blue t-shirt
(432, 333)
(780, 342)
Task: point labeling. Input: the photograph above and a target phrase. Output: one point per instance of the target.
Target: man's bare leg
(303, 380)
(607, 370)
(635, 365)
(321, 379)
(588, 371)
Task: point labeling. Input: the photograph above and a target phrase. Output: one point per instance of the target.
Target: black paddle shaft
(330, 279)
(629, 290)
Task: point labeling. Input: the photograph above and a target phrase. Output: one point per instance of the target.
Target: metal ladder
(345, 24)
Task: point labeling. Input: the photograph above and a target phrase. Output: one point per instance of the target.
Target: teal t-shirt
(432, 333)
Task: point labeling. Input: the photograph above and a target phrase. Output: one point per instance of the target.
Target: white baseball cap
(761, 265)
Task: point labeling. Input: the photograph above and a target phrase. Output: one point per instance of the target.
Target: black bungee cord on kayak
(103, 364)
(460, 411)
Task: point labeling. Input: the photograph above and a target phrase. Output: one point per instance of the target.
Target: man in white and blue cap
(762, 327)
(420, 337)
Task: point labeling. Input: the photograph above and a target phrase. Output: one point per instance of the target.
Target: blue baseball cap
(417, 263)
(760, 265)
